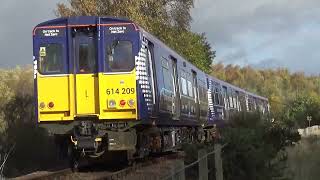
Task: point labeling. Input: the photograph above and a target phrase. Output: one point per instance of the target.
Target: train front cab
(85, 74)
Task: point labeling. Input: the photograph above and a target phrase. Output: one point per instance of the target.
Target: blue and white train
(105, 85)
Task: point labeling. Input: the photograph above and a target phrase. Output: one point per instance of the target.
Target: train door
(196, 94)
(85, 69)
(152, 77)
(176, 97)
(167, 91)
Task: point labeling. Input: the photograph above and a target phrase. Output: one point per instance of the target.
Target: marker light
(50, 105)
(122, 103)
(131, 102)
(112, 103)
(42, 105)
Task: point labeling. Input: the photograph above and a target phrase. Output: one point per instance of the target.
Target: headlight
(112, 103)
(42, 105)
(131, 102)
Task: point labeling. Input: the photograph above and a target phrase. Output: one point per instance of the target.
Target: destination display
(57, 32)
(120, 29)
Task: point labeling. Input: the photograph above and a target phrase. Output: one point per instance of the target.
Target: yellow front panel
(55, 90)
(117, 88)
(87, 98)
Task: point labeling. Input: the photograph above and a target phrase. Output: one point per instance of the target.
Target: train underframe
(88, 140)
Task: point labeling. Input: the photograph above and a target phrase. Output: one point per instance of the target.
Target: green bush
(256, 148)
(304, 160)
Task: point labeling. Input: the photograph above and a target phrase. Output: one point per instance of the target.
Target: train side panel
(182, 89)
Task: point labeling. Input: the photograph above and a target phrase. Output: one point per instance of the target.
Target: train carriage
(104, 84)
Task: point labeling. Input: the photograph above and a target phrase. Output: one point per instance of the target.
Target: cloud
(268, 63)
(228, 19)
(252, 31)
(243, 32)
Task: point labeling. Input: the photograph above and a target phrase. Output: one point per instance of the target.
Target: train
(105, 85)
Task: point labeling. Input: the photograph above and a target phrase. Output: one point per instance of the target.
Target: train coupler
(86, 143)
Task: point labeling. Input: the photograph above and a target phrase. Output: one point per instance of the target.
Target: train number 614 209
(118, 91)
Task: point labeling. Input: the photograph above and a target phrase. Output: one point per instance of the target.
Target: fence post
(177, 166)
(203, 165)
(218, 162)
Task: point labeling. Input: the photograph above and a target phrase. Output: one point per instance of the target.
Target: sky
(17, 19)
(260, 33)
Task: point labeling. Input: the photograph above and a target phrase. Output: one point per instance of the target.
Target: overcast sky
(262, 33)
(17, 19)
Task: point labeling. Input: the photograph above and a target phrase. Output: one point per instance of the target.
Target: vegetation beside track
(255, 150)
(304, 160)
(32, 148)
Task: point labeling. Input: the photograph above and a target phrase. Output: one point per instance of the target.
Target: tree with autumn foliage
(169, 20)
(292, 96)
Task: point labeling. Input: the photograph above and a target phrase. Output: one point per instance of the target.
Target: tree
(169, 20)
(292, 96)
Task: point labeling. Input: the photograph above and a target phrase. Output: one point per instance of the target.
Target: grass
(304, 160)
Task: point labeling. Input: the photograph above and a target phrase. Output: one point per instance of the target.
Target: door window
(87, 58)
(119, 57)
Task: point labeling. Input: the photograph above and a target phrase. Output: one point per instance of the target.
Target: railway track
(153, 168)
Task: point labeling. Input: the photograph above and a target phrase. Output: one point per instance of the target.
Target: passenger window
(119, 57)
(204, 94)
(184, 86)
(225, 97)
(190, 91)
(87, 58)
(250, 107)
(216, 96)
(229, 92)
(201, 91)
(234, 99)
(51, 59)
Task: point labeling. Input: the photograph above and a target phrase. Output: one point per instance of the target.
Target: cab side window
(167, 76)
(51, 59)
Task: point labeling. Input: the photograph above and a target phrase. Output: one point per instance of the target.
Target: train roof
(83, 20)
(175, 54)
(88, 20)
